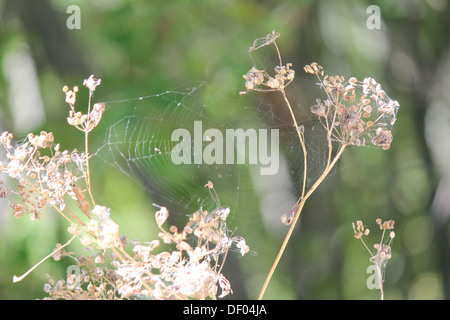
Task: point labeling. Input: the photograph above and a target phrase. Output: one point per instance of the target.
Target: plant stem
(380, 280)
(297, 215)
(17, 279)
(88, 174)
(86, 144)
(300, 137)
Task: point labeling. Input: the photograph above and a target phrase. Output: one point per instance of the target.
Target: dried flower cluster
(101, 232)
(355, 111)
(260, 80)
(95, 281)
(42, 171)
(359, 230)
(48, 177)
(45, 174)
(84, 122)
(191, 271)
(383, 250)
(264, 41)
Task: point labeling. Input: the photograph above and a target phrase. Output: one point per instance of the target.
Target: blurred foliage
(146, 47)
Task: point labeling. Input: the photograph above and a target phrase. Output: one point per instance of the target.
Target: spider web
(139, 144)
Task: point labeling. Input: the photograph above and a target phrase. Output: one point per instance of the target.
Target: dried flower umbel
(44, 172)
(383, 250)
(192, 270)
(46, 178)
(355, 113)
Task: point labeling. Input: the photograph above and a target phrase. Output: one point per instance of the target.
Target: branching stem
(304, 195)
(322, 177)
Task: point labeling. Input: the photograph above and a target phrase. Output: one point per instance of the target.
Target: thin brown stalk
(297, 216)
(300, 137)
(88, 175)
(17, 279)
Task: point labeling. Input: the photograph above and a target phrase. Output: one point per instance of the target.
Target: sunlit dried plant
(48, 177)
(383, 254)
(354, 113)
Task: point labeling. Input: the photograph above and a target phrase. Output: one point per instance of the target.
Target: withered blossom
(260, 80)
(383, 250)
(355, 111)
(91, 83)
(189, 270)
(264, 41)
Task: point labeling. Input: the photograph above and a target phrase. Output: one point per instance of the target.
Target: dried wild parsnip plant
(48, 177)
(383, 253)
(354, 112)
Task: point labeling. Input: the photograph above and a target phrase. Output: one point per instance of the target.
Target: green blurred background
(143, 48)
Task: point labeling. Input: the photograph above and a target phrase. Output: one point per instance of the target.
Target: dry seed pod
(287, 218)
(81, 201)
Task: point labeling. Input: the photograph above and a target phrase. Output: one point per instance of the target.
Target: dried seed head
(388, 224)
(242, 246)
(161, 216)
(349, 110)
(102, 212)
(264, 41)
(287, 218)
(210, 185)
(91, 83)
(81, 201)
(95, 116)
